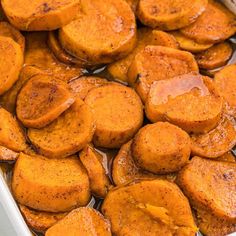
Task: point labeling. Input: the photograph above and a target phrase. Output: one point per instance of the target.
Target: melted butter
(164, 90)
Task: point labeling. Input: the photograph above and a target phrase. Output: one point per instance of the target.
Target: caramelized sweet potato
(119, 69)
(150, 207)
(104, 31)
(189, 44)
(228, 157)
(216, 142)
(226, 84)
(82, 221)
(158, 63)
(92, 161)
(118, 112)
(40, 14)
(11, 61)
(161, 148)
(53, 185)
(66, 135)
(41, 100)
(215, 56)
(189, 101)
(40, 221)
(133, 4)
(81, 86)
(210, 185)
(216, 24)
(7, 155)
(170, 15)
(11, 135)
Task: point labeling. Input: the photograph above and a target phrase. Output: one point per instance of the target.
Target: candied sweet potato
(40, 14)
(216, 24)
(170, 15)
(81, 86)
(190, 101)
(7, 155)
(119, 69)
(66, 135)
(216, 142)
(161, 148)
(53, 185)
(41, 100)
(82, 221)
(118, 112)
(11, 61)
(11, 135)
(228, 157)
(103, 31)
(158, 63)
(92, 161)
(40, 221)
(210, 185)
(149, 207)
(215, 56)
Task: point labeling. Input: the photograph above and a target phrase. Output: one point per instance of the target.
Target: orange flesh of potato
(11, 135)
(119, 69)
(92, 161)
(39, 55)
(210, 185)
(216, 24)
(53, 185)
(66, 135)
(40, 221)
(158, 63)
(169, 14)
(225, 82)
(103, 31)
(40, 14)
(217, 142)
(228, 157)
(7, 154)
(118, 112)
(133, 4)
(188, 44)
(149, 208)
(214, 57)
(81, 86)
(8, 30)
(41, 100)
(82, 221)
(161, 148)
(11, 61)
(189, 101)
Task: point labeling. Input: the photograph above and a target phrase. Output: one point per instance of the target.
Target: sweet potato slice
(92, 161)
(7, 155)
(189, 101)
(158, 63)
(41, 100)
(228, 157)
(53, 185)
(11, 61)
(118, 112)
(39, 55)
(81, 86)
(40, 221)
(40, 14)
(161, 148)
(133, 4)
(170, 15)
(226, 84)
(66, 135)
(214, 57)
(7, 30)
(210, 185)
(216, 24)
(119, 69)
(211, 225)
(149, 208)
(189, 44)
(82, 221)
(11, 135)
(104, 31)
(217, 142)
